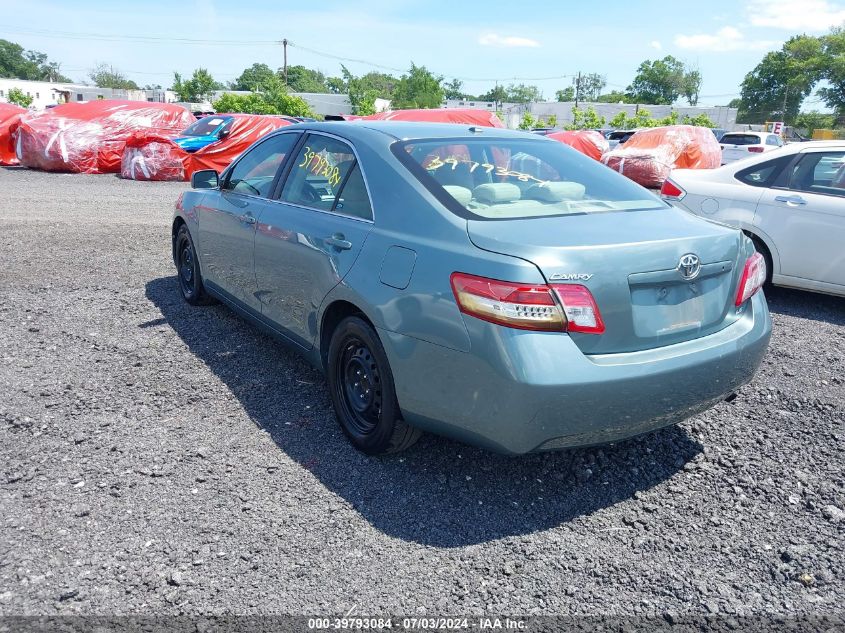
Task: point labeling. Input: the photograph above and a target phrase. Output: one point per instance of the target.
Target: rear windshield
(503, 179)
(741, 139)
(207, 126)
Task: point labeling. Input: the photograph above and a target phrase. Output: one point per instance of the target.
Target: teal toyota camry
(492, 286)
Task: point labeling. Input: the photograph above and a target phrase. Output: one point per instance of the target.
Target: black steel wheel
(362, 390)
(188, 270)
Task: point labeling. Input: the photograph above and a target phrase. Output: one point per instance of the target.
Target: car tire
(188, 270)
(362, 390)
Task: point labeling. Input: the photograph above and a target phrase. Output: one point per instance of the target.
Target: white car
(739, 145)
(791, 202)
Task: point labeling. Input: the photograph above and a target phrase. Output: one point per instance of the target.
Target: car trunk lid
(630, 263)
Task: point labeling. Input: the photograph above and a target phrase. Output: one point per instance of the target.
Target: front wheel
(362, 390)
(187, 266)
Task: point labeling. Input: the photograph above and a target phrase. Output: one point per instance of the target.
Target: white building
(47, 93)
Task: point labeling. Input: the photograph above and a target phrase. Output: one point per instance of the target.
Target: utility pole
(285, 49)
(577, 88)
(783, 112)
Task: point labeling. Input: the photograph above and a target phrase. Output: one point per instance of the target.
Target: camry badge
(571, 277)
(689, 266)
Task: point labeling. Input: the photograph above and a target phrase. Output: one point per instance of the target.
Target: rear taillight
(557, 308)
(671, 190)
(753, 278)
(580, 308)
(756, 149)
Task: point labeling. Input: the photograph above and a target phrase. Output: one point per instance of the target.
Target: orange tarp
(467, 116)
(10, 115)
(89, 137)
(152, 156)
(649, 155)
(588, 142)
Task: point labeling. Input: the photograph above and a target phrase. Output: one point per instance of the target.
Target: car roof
(403, 130)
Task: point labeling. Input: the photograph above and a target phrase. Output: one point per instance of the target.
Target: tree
(496, 94)
(18, 63)
(527, 122)
(658, 82)
(588, 86)
(811, 121)
(587, 119)
(275, 102)
(833, 70)
(521, 93)
(19, 97)
(567, 94)
(454, 89)
(256, 78)
(302, 79)
(418, 88)
(613, 97)
(198, 88)
(691, 86)
(336, 85)
(107, 76)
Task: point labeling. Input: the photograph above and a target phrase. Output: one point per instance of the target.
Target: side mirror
(222, 134)
(205, 179)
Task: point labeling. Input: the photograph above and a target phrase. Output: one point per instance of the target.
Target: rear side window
(508, 178)
(773, 139)
(740, 139)
(764, 174)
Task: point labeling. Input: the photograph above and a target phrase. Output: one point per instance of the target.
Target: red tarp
(89, 137)
(467, 116)
(153, 156)
(649, 155)
(588, 142)
(10, 114)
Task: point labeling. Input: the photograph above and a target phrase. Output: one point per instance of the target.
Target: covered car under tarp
(649, 155)
(90, 137)
(152, 156)
(588, 142)
(10, 116)
(466, 116)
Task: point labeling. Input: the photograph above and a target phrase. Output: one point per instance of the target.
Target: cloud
(656, 45)
(507, 41)
(796, 15)
(725, 39)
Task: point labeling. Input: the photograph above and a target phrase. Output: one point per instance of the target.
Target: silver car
(493, 286)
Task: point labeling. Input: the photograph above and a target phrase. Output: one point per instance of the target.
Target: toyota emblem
(689, 266)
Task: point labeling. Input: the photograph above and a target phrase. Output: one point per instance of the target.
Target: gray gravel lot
(161, 458)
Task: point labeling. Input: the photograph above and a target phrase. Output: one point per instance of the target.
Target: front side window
(819, 172)
(325, 176)
(507, 178)
(254, 173)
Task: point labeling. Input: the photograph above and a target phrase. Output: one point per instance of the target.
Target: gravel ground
(157, 458)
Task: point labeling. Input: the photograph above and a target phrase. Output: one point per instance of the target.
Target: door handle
(339, 241)
(797, 200)
(249, 219)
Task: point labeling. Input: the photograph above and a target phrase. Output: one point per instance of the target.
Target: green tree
(497, 94)
(700, 120)
(256, 78)
(691, 86)
(15, 62)
(336, 85)
(614, 96)
(658, 82)
(522, 93)
(527, 122)
(454, 89)
(811, 121)
(19, 97)
(107, 76)
(619, 121)
(302, 79)
(833, 70)
(418, 88)
(588, 86)
(274, 102)
(567, 94)
(198, 88)
(587, 119)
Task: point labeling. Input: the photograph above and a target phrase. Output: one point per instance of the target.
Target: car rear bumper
(518, 391)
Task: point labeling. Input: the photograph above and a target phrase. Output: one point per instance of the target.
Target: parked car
(618, 137)
(791, 202)
(205, 131)
(739, 145)
(494, 286)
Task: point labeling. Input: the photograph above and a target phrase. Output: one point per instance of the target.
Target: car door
(228, 219)
(308, 239)
(804, 215)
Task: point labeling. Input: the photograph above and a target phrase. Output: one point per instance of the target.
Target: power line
(146, 39)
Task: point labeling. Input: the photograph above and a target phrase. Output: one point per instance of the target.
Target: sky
(541, 43)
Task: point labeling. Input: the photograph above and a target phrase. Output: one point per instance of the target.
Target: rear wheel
(187, 266)
(362, 390)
